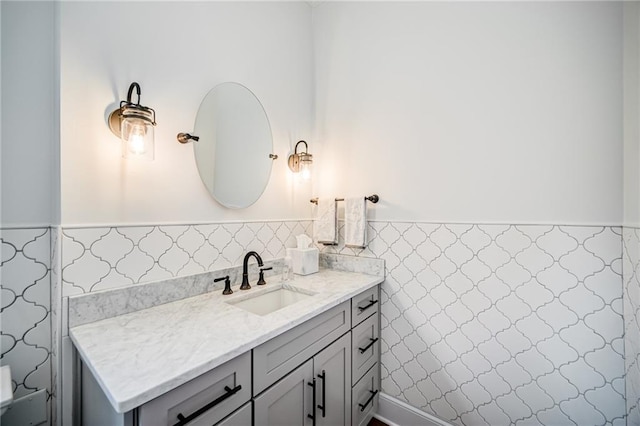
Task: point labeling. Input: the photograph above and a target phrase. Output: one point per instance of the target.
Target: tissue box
(304, 261)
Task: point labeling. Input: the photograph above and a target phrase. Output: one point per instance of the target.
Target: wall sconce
(301, 162)
(133, 124)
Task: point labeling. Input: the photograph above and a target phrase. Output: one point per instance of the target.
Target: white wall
(631, 81)
(27, 149)
(484, 112)
(477, 112)
(631, 231)
(177, 51)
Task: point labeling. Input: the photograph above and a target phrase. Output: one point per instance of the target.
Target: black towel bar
(373, 198)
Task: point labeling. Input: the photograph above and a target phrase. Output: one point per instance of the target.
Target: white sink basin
(271, 300)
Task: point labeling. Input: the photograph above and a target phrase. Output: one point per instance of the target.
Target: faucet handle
(261, 280)
(227, 284)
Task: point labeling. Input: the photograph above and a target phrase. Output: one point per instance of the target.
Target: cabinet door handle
(228, 393)
(363, 406)
(364, 308)
(313, 416)
(323, 376)
(372, 341)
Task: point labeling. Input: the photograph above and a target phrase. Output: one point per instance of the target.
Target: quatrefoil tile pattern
(100, 258)
(502, 324)
(631, 283)
(25, 308)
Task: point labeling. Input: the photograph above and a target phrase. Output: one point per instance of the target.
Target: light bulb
(305, 170)
(137, 140)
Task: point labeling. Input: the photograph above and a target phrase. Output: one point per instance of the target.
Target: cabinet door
(332, 370)
(289, 401)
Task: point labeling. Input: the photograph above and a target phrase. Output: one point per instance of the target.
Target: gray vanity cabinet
(323, 372)
(320, 388)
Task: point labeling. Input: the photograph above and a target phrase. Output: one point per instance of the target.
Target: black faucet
(245, 276)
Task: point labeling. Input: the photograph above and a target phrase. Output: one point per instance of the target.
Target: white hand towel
(355, 222)
(325, 226)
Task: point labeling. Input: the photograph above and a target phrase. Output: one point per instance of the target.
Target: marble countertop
(138, 356)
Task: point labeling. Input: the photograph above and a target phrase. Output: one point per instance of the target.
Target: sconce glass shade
(301, 162)
(136, 133)
(305, 162)
(133, 124)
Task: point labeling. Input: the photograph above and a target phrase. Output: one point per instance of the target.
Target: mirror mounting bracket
(186, 137)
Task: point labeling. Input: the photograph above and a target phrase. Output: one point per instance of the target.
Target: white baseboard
(394, 412)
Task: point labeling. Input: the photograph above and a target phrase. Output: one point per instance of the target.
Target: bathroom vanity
(303, 352)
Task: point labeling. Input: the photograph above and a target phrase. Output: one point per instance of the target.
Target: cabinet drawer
(365, 395)
(364, 304)
(242, 417)
(274, 359)
(365, 346)
(204, 400)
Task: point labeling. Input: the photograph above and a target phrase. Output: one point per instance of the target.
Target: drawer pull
(229, 392)
(364, 308)
(372, 341)
(313, 416)
(363, 406)
(323, 376)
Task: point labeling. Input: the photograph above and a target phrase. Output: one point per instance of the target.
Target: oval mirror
(233, 153)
